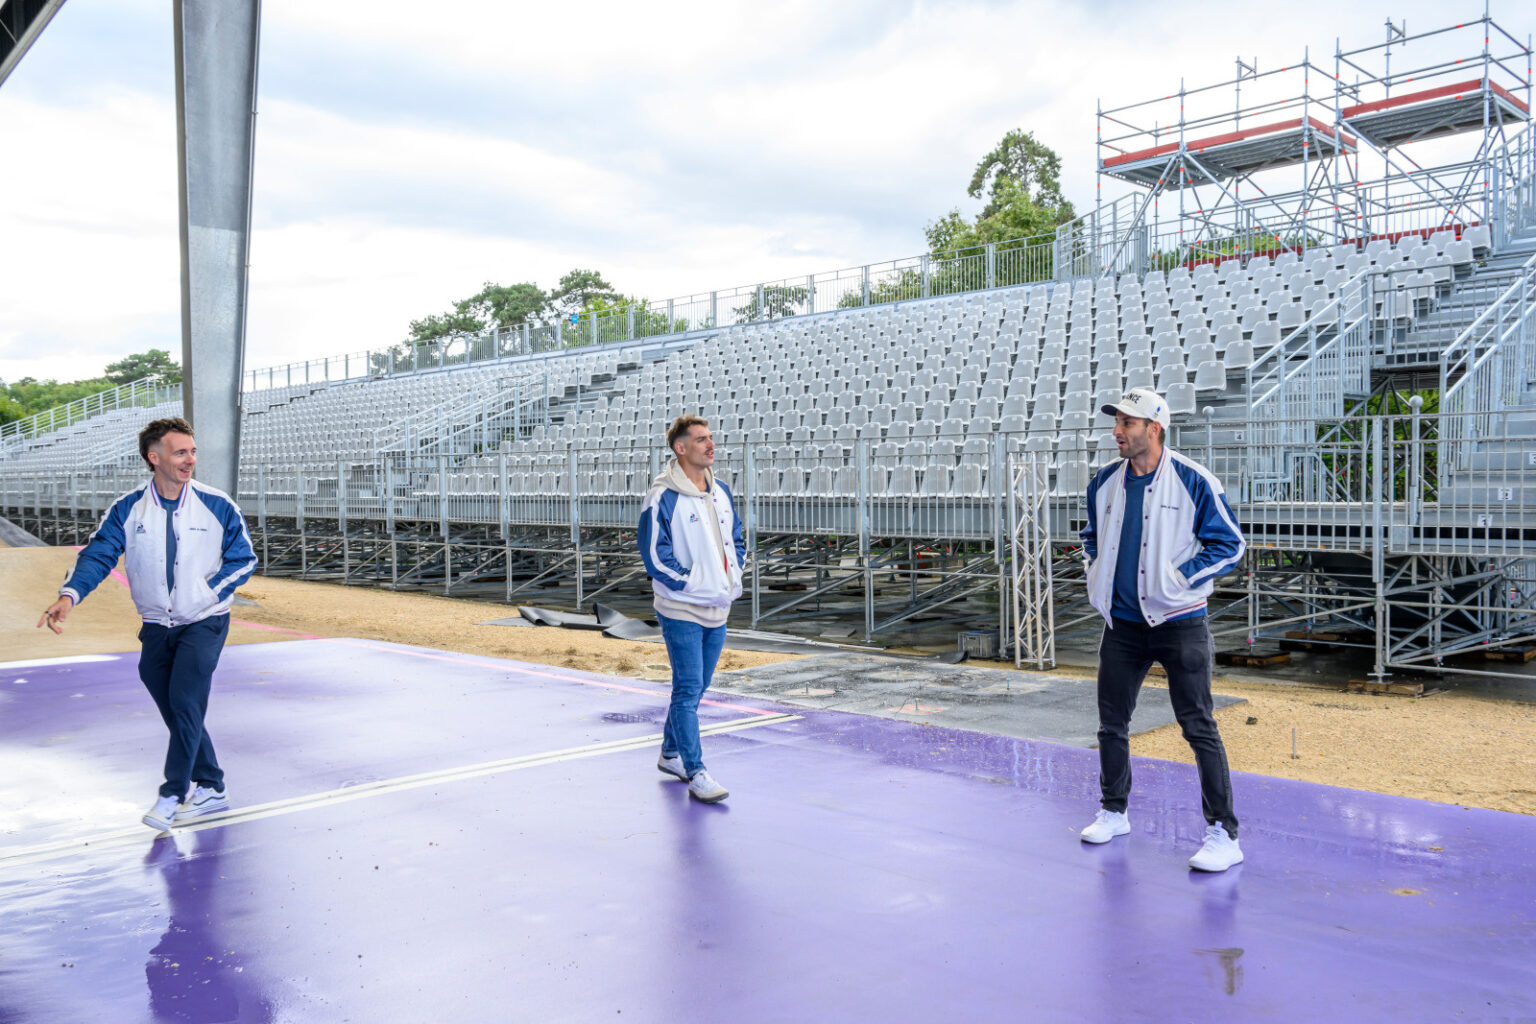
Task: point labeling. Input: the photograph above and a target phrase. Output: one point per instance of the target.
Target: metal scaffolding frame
(1284, 166)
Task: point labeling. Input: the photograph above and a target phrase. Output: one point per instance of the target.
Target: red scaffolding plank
(1201, 145)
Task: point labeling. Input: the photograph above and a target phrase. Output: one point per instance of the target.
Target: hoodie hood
(672, 476)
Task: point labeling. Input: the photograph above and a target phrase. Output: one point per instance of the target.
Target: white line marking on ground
(78, 659)
(136, 837)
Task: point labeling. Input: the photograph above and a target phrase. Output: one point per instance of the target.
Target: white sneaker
(704, 788)
(203, 801)
(672, 766)
(1219, 852)
(1106, 825)
(163, 813)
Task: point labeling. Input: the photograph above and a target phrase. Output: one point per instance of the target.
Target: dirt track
(1454, 747)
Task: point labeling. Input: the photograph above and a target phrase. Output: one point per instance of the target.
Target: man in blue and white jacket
(1160, 530)
(186, 549)
(693, 547)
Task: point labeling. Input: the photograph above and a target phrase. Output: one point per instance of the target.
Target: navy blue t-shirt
(1128, 558)
(170, 540)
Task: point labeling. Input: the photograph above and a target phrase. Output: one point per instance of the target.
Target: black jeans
(176, 665)
(1185, 650)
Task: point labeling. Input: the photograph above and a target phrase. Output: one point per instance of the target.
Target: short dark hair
(152, 434)
(681, 426)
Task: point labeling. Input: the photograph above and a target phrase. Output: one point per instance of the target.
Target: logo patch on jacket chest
(693, 517)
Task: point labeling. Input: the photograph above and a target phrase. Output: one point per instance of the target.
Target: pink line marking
(113, 572)
(275, 629)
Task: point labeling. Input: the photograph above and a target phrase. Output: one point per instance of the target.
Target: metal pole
(751, 527)
(1378, 553)
(861, 456)
(216, 48)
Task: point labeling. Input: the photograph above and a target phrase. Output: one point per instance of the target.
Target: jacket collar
(1157, 474)
(159, 502)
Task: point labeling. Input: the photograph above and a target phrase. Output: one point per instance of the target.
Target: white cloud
(677, 147)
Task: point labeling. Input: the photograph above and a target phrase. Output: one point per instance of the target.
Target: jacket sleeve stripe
(239, 560)
(1215, 527)
(656, 542)
(1227, 522)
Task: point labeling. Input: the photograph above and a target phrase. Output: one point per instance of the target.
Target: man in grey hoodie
(693, 547)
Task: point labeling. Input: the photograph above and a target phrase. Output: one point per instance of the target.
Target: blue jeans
(694, 650)
(176, 665)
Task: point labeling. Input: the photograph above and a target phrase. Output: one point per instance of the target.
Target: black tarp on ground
(618, 626)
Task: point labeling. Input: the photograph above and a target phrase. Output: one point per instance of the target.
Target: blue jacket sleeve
(101, 552)
(1221, 541)
(1090, 532)
(239, 559)
(655, 540)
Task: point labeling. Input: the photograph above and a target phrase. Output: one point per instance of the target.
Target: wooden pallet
(1508, 653)
(1402, 689)
(1301, 640)
(1256, 658)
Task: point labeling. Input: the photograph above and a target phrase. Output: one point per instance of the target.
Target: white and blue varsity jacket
(1188, 538)
(213, 554)
(693, 547)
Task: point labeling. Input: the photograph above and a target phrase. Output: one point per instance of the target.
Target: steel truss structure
(1303, 155)
(1393, 528)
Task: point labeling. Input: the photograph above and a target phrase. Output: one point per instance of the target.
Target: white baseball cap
(1143, 403)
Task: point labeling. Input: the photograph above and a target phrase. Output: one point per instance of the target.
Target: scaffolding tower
(1299, 155)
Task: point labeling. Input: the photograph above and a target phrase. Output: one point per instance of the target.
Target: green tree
(142, 364)
(29, 395)
(578, 291)
(1020, 167)
(613, 319)
(1020, 181)
(772, 303)
(444, 325)
(497, 305)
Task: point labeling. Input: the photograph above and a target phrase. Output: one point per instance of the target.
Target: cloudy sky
(677, 147)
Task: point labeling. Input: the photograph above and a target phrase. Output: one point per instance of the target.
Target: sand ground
(1452, 747)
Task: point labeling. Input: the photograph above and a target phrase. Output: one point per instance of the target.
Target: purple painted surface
(863, 869)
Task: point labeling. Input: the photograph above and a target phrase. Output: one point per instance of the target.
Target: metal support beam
(21, 22)
(216, 43)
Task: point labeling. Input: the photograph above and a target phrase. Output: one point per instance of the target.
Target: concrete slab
(1029, 705)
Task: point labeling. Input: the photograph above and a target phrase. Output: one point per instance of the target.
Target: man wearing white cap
(1159, 532)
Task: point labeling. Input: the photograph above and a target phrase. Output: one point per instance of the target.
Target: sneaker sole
(1100, 842)
(1214, 870)
(709, 799)
(158, 824)
(669, 771)
(204, 810)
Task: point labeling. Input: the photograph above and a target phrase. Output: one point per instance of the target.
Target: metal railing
(1489, 365)
(470, 423)
(948, 519)
(994, 265)
(1306, 374)
(147, 391)
(955, 487)
(1514, 189)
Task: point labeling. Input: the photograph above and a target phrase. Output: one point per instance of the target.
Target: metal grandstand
(1352, 357)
